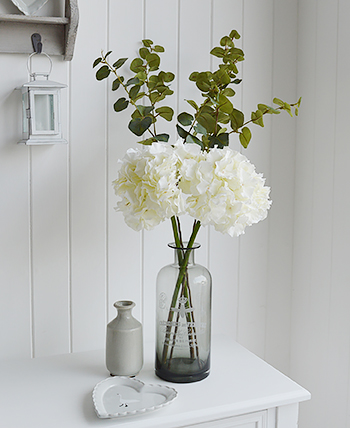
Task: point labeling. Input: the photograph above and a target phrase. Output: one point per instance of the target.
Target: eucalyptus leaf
(185, 119)
(218, 52)
(237, 119)
(103, 72)
(182, 133)
(134, 92)
(121, 104)
(133, 81)
(147, 43)
(221, 140)
(245, 137)
(115, 84)
(162, 137)
(119, 63)
(96, 62)
(192, 139)
(143, 52)
(139, 125)
(158, 48)
(136, 65)
(234, 34)
(200, 129)
(165, 112)
(193, 104)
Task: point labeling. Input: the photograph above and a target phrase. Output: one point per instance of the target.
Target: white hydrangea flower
(224, 190)
(147, 185)
(219, 187)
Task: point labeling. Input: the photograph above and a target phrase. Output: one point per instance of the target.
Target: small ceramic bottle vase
(124, 343)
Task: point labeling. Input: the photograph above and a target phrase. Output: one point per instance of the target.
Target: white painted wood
(281, 180)
(287, 416)
(257, 80)
(62, 386)
(224, 250)
(15, 290)
(124, 245)
(87, 186)
(49, 250)
(58, 32)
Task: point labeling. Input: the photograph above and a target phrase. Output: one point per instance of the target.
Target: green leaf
(96, 62)
(107, 54)
(144, 110)
(192, 139)
(103, 72)
(119, 63)
(219, 140)
(121, 104)
(245, 136)
(203, 82)
(165, 112)
(257, 118)
(169, 77)
(267, 109)
(148, 141)
(162, 137)
(185, 119)
(218, 52)
(138, 126)
(193, 76)
(115, 84)
(182, 133)
(278, 102)
(234, 35)
(147, 43)
(207, 121)
(143, 52)
(226, 41)
(134, 91)
(153, 61)
(225, 104)
(139, 96)
(299, 102)
(158, 48)
(228, 92)
(200, 129)
(237, 81)
(237, 119)
(136, 65)
(133, 81)
(193, 104)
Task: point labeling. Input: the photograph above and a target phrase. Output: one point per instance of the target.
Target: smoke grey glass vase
(183, 321)
(124, 342)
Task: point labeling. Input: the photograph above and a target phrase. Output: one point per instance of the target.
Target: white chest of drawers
(242, 391)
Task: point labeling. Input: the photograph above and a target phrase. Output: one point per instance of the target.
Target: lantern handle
(29, 66)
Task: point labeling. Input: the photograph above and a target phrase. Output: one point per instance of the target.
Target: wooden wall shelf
(58, 33)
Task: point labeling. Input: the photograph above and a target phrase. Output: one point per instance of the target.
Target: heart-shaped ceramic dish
(122, 396)
(28, 7)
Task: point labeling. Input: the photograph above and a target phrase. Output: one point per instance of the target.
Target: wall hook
(36, 42)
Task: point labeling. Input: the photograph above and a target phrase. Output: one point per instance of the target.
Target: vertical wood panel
(50, 250)
(338, 364)
(257, 81)
(15, 314)
(281, 179)
(124, 244)
(156, 254)
(224, 250)
(88, 183)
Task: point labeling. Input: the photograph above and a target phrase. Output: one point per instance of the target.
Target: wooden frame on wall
(58, 33)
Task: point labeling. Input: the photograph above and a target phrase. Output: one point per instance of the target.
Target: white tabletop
(56, 391)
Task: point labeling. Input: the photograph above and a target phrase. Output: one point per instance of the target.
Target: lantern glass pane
(44, 112)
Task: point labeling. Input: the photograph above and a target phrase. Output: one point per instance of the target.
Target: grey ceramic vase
(124, 343)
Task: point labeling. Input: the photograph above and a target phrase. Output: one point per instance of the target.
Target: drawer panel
(251, 420)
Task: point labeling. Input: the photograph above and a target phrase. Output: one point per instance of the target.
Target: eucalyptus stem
(182, 272)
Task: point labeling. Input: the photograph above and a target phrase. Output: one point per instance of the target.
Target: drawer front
(251, 420)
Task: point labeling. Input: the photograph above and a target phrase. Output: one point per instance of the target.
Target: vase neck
(186, 252)
(124, 308)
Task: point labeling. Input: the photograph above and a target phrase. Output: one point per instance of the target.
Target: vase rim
(124, 304)
(194, 246)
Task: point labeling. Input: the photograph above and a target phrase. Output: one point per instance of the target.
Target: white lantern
(41, 104)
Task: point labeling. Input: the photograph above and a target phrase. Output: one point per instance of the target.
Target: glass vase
(183, 322)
